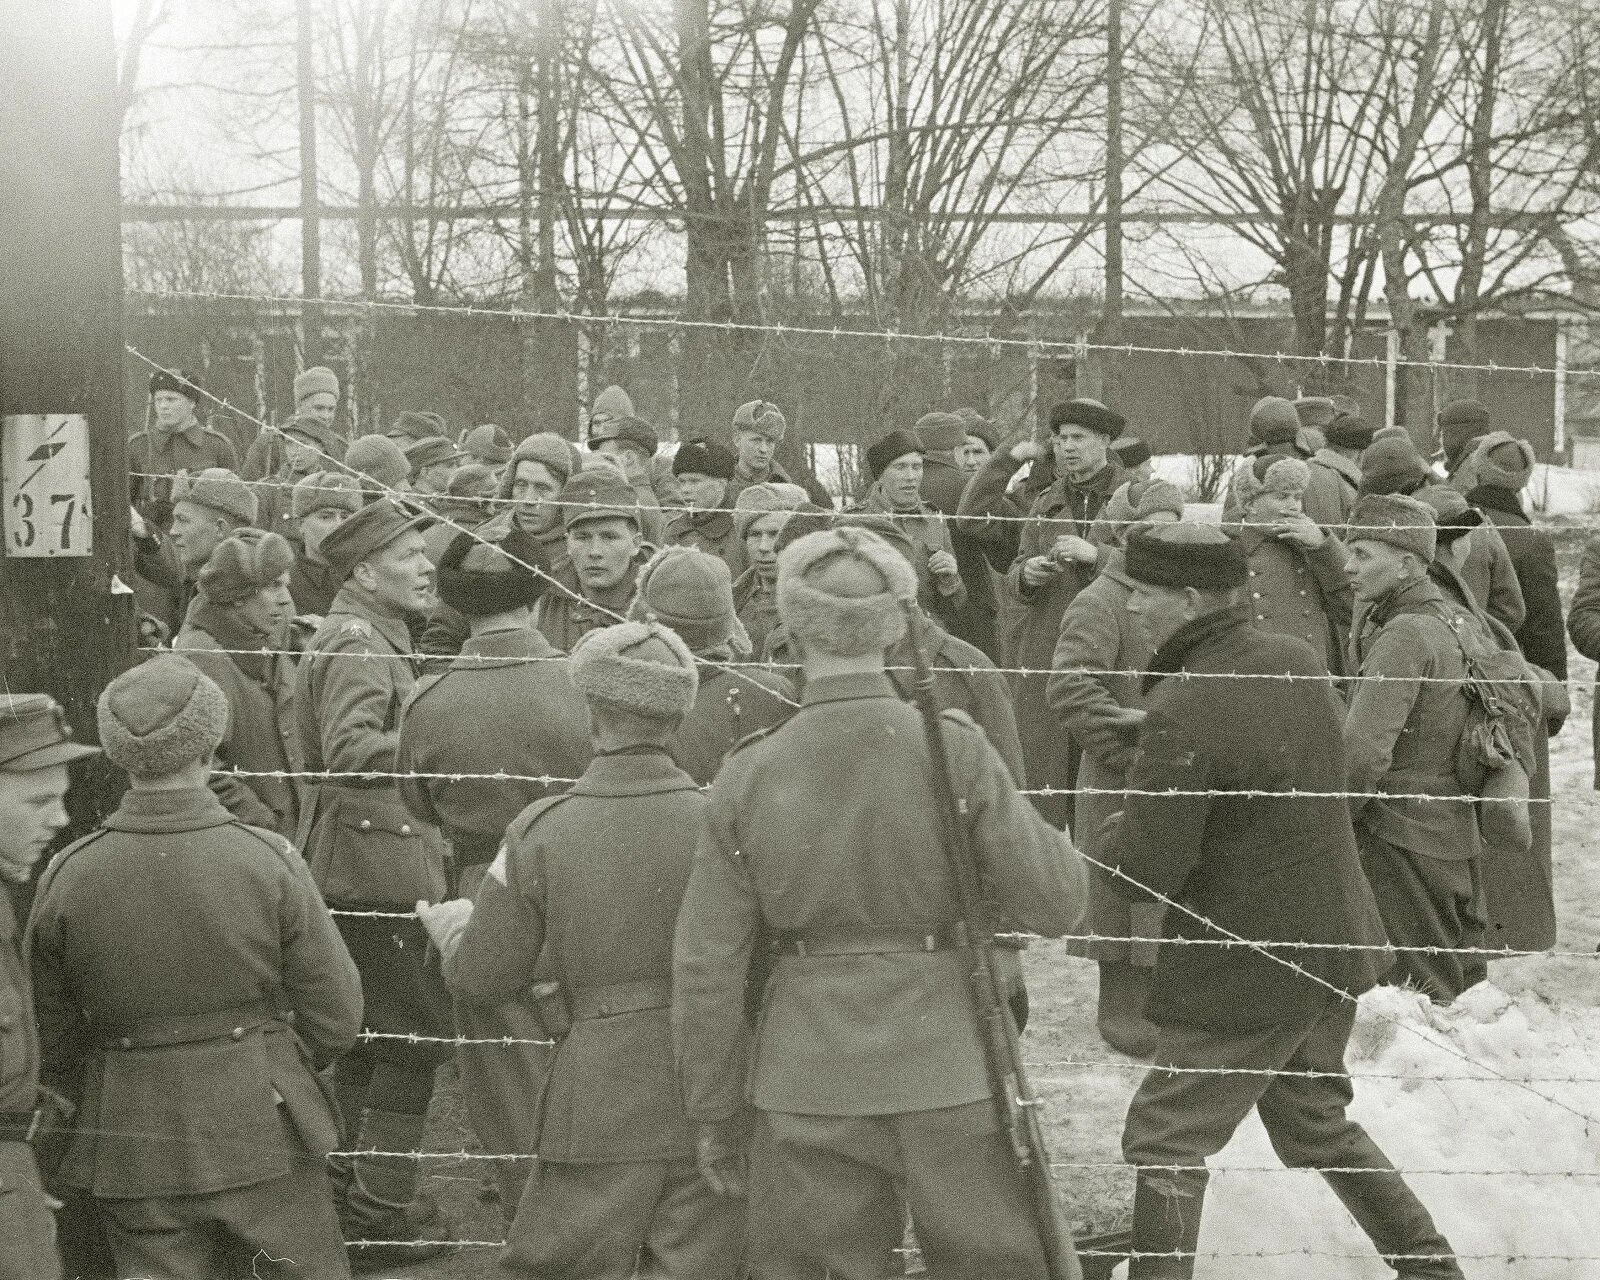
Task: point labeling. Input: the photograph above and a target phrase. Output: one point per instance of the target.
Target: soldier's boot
(1124, 991)
(379, 1200)
(1397, 1223)
(1166, 1221)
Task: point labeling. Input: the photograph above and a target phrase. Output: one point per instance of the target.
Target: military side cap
(1083, 412)
(429, 451)
(367, 532)
(34, 734)
(488, 443)
(762, 417)
(324, 491)
(635, 431)
(704, 458)
(598, 495)
(881, 453)
(1185, 555)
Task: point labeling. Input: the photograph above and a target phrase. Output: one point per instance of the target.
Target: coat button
(236, 1034)
(1255, 595)
(405, 828)
(366, 824)
(1261, 617)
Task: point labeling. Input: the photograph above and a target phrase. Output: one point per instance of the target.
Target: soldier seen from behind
(1246, 1025)
(190, 984)
(867, 1071)
(584, 894)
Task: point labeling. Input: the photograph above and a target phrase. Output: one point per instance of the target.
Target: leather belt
(621, 997)
(867, 942)
(189, 1028)
(20, 1126)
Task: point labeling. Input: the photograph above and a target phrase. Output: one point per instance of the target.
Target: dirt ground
(1085, 1105)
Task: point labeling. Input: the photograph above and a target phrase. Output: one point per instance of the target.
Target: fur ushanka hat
(160, 716)
(844, 591)
(241, 565)
(642, 667)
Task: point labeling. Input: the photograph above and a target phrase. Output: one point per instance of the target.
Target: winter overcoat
(1300, 592)
(729, 706)
(1275, 868)
(1583, 625)
(943, 483)
(187, 977)
(1542, 634)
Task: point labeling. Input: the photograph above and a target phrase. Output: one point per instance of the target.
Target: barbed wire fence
(1470, 1070)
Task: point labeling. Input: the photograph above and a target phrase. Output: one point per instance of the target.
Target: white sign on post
(44, 484)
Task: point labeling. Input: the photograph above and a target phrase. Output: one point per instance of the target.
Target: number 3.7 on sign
(44, 482)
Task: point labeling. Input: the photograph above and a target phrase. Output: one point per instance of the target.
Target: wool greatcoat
(1492, 578)
(27, 1229)
(566, 612)
(587, 889)
(261, 737)
(1063, 508)
(755, 601)
(1330, 496)
(504, 705)
(943, 483)
(1533, 558)
(711, 532)
(1095, 675)
(1583, 625)
(729, 705)
(189, 983)
(925, 529)
(1401, 737)
(1300, 592)
(867, 1069)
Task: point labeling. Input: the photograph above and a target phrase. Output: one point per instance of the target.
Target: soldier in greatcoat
(586, 889)
(631, 443)
(237, 632)
(1103, 709)
(319, 504)
(35, 749)
(207, 507)
(1281, 868)
(1062, 548)
(189, 985)
(369, 853)
(822, 839)
(704, 470)
(175, 441)
(505, 704)
(1297, 585)
(759, 517)
(944, 480)
(758, 429)
(593, 584)
(316, 399)
(1420, 853)
(691, 591)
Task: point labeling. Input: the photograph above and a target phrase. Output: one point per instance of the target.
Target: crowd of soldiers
(594, 768)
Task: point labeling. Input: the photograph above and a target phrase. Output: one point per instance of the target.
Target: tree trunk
(1480, 160)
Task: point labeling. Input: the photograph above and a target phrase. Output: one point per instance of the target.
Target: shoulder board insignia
(356, 627)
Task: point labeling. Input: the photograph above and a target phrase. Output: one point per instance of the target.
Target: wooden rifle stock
(1014, 1098)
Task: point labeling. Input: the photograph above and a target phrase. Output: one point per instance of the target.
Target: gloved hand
(719, 1152)
(445, 923)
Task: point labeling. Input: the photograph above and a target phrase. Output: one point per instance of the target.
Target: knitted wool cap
(941, 432)
(377, 459)
(308, 382)
(635, 431)
(218, 489)
(475, 480)
(612, 402)
(1273, 420)
(1349, 430)
(762, 417)
(758, 500)
(1397, 520)
(1460, 423)
(478, 578)
(243, 564)
(429, 452)
(179, 380)
(1391, 464)
(844, 591)
(1453, 518)
(1502, 460)
(704, 458)
(488, 443)
(160, 716)
(418, 424)
(543, 447)
(324, 491)
(1185, 555)
(895, 445)
(1269, 473)
(598, 495)
(1088, 413)
(1315, 411)
(1136, 500)
(1130, 451)
(690, 591)
(642, 667)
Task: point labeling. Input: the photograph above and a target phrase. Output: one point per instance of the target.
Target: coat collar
(231, 634)
(632, 773)
(878, 504)
(847, 688)
(193, 431)
(358, 602)
(1065, 492)
(1191, 638)
(1414, 597)
(1336, 461)
(1493, 497)
(512, 643)
(192, 809)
